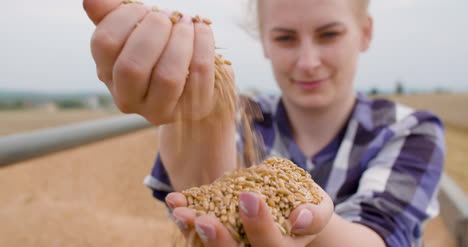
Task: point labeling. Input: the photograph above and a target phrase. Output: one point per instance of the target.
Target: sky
(45, 45)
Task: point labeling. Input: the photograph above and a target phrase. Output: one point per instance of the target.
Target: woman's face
(313, 46)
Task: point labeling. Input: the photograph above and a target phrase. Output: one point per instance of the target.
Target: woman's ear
(367, 33)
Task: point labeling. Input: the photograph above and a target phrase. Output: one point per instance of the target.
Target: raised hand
(157, 63)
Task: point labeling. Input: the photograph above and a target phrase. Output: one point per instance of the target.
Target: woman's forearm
(197, 153)
(340, 232)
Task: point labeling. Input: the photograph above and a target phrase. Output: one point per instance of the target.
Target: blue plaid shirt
(382, 170)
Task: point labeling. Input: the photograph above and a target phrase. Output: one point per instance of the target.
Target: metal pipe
(454, 210)
(19, 147)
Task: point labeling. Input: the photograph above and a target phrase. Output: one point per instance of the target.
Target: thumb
(98, 9)
(310, 219)
(258, 222)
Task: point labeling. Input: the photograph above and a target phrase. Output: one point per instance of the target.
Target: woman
(378, 163)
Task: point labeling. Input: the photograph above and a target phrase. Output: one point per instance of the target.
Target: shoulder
(376, 114)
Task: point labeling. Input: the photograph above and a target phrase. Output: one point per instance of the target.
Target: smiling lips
(309, 85)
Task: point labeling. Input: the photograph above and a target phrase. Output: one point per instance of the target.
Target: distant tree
(374, 91)
(69, 103)
(400, 88)
(440, 90)
(105, 100)
(12, 104)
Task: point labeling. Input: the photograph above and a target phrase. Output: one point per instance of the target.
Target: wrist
(350, 234)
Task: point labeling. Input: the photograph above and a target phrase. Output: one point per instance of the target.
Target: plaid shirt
(382, 170)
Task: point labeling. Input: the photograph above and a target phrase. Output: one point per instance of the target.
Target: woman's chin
(310, 102)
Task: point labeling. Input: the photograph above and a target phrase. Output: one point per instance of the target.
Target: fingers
(207, 227)
(213, 233)
(184, 218)
(197, 97)
(98, 9)
(110, 36)
(169, 76)
(258, 223)
(175, 200)
(133, 68)
(310, 219)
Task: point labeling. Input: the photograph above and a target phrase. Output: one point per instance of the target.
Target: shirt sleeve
(397, 192)
(158, 181)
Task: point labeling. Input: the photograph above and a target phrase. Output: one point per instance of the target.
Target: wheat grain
(286, 187)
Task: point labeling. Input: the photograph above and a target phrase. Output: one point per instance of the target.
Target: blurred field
(88, 196)
(453, 108)
(94, 195)
(27, 120)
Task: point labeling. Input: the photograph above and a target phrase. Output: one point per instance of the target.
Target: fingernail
(303, 220)
(155, 8)
(170, 203)
(249, 204)
(186, 18)
(181, 223)
(197, 19)
(132, 1)
(206, 232)
(176, 16)
(207, 21)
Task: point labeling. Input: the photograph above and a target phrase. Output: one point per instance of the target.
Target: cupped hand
(307, 220)
(161, 69)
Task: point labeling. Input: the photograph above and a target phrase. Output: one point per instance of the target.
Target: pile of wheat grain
(281, 183)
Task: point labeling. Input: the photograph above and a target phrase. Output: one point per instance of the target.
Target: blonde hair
(251, 23)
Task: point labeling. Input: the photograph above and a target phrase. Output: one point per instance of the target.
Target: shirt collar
(361, 113)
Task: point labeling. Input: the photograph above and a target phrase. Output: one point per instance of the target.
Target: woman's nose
(308, 58)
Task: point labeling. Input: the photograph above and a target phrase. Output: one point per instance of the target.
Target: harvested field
(88, 196)
(27, 120)
(452, 108)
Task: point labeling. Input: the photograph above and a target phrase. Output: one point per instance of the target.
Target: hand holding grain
(157, 63)
(273, 204)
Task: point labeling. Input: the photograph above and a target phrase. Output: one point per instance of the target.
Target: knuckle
(202, 66)
(104, 41)
(103, 76)
(156, 117)
(156, 121)
(168, 80)
(129, 68)
(89, 5)
(124, 105)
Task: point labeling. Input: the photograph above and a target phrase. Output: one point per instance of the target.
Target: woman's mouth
(309, 84)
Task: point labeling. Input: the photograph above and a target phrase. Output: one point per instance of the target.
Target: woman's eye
(284, 38)
(329, 35)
